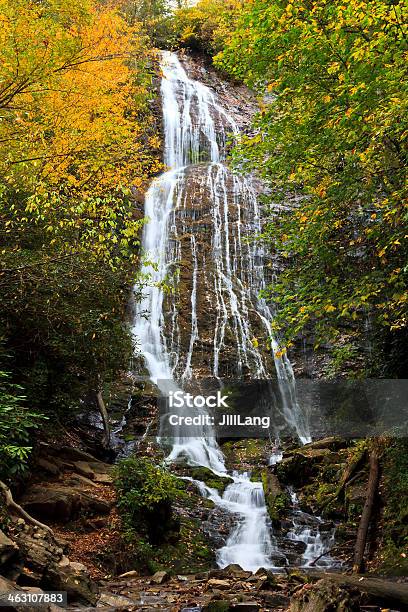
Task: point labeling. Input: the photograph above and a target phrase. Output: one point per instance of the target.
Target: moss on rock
(210, 479)
(277, 500)
(246, 454)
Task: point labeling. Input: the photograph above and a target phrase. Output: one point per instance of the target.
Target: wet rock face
(240, 101)
(212, 324)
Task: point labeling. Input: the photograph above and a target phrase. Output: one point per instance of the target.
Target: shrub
(16, 424)
(145, 495)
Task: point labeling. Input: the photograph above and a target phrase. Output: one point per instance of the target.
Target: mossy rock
(333, 443)
(277, 499)
(303, 466)
(249, 452)
(210, 479)
(190, 553)
(256, 476)
(322, 597)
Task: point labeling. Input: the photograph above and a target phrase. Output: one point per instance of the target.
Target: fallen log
(362, 532)
(383, 592)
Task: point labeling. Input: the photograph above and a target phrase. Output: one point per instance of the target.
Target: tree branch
(10, 503)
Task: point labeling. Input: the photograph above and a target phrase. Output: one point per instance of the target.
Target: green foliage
(395, 470)
(16, 425)
(145, 495)
(332, 130)
(64, 327)
(146, 483)
(155, 17)
(341, 355)
(204, 26)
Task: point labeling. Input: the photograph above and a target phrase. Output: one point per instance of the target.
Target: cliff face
(194, 217)
(216, 272)
(213, 323)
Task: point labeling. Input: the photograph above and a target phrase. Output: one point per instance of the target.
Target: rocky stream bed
(72, 493)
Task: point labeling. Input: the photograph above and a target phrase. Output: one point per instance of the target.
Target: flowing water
(307, 529)
(231, 270)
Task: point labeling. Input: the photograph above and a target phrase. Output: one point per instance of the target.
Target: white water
(317, 546)
(250, 543)
(195, 128)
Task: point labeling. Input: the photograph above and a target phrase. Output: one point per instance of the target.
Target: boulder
(235, 571)
(298, 469)
(116, 602)
(324, 596)
(73, 578)
(41, 563)
(214, 583)
(218, 605)
(160, 577)
(76, 454)
(48, 466)
(94, 470)
(8, 548)
(333, 443)
(84, 468)
(78, 481)
(61, 503)
(6, 586)
(276, 600)
(38, 550)
(131, 574)
(295, 547)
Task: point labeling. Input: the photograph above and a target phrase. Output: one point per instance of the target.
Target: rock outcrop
(38, 561)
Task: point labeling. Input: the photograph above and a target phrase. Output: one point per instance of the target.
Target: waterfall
(196, 130)
(306, 529)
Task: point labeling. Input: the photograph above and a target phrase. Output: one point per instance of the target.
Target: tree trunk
(105, 419)
(367, 512)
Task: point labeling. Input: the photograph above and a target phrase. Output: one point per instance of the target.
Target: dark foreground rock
(38, 561)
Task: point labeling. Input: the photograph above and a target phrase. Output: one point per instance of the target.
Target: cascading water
(306, 529)
(196, 129)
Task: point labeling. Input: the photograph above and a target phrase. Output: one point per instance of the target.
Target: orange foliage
(73, 95)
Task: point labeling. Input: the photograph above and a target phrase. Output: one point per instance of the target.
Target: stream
(199, 193)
